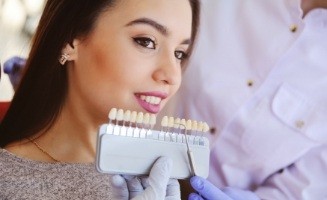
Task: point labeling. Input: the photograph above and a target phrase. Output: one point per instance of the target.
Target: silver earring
(63, 58)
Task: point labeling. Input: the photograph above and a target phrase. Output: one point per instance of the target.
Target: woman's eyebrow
(162, 29)
(187, 41)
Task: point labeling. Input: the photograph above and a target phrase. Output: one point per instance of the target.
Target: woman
(88, 57)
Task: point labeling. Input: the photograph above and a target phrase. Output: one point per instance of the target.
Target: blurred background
(18, 21)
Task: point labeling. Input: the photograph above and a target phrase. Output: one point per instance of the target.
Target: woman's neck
(72, 138)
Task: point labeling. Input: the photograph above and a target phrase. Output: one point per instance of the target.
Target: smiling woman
(86, 58)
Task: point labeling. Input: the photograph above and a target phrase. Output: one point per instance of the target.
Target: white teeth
(148, 99)
(151, 99)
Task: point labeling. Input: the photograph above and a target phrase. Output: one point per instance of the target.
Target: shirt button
(299, 124)
(293, 28)
(250, 83)
(212, 130)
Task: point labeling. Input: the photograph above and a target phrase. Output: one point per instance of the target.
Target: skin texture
(124, 56)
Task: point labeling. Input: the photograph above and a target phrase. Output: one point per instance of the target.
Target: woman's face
(133, 57)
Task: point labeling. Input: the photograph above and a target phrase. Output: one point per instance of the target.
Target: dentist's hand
(208, 191)
(14, 68)
(157, 186)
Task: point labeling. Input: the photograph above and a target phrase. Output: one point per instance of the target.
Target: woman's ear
(69, 52)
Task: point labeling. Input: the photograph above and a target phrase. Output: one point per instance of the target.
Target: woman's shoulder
(5, 157)
(42, 180)
(9, 161)
(12, 159)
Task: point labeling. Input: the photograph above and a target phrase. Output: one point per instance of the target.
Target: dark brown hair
(43, 88)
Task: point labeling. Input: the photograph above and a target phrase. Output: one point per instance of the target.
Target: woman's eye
(145, 42)
(180, 55)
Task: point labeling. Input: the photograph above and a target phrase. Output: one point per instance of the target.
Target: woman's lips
(150, 101)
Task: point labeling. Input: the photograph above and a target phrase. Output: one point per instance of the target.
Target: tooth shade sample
(112, 114)
(146, 119)
(120, 115)
(127, 115)
(153, 119)
(139, 118)
(177, 123)
(133, 116)
(164, 121)
(171, 122)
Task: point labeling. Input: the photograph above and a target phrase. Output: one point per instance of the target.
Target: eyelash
(183, 55)
(145, 42)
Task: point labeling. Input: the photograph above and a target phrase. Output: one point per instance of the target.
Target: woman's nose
(168, 70)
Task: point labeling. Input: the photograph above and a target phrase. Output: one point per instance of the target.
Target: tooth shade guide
(129, 155)
(139, 124)
(133, 143)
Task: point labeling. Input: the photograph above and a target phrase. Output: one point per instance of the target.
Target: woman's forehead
(172, 14)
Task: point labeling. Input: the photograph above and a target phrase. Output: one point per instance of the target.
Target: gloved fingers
(160, 173)
(238, 194)
(158, 180)
(134, 185)
(207, 190)
(119, 187)
(173, 189)
(14, 65)
(145, 181)
(194, 196)
(118, 181)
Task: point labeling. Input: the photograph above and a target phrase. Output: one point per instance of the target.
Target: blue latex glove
(207, 190)
(14, 68)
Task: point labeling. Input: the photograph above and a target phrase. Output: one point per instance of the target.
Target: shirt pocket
(296, 110)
